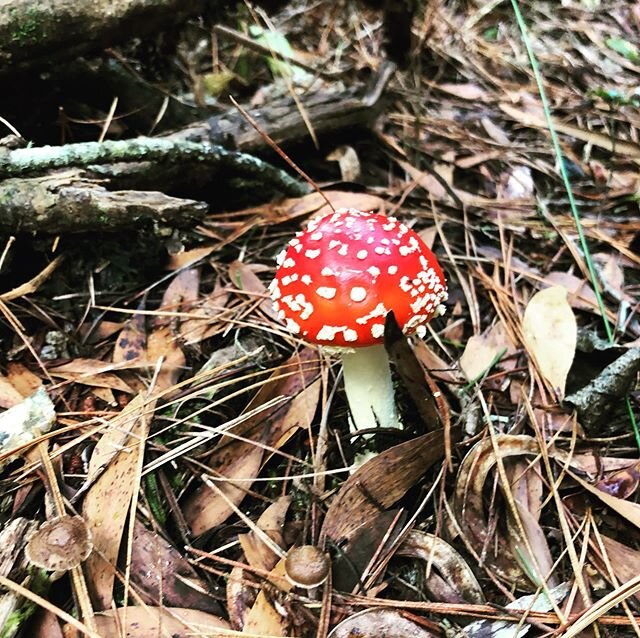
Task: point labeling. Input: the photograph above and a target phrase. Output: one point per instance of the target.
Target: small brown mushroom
(306, 566)
(60, 544)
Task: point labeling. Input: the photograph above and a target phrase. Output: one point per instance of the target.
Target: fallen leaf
(380, 482)
(484, 350)
(108, 500)
(283, 403)
(374, 623)
(459, 579)
(550, 334)
(162, 577)
(152, 622)
(257, 553)
(132, 340)
(90, 372)
(263, 619)
(469, 506)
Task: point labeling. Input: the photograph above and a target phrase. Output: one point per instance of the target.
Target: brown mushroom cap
(60, 543)
(306, 566)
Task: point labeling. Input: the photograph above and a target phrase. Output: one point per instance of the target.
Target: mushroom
(335, 283)
(306, 566)
(60, 544)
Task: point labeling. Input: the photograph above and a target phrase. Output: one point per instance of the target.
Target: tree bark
(40, 32)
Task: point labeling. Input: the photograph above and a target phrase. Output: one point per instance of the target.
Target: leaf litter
(199, 442)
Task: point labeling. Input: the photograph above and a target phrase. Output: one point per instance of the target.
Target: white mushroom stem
(367, 383)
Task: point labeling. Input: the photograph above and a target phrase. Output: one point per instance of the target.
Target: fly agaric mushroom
(335, 283)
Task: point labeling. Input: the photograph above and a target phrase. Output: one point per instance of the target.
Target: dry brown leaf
(455, 581)
(240, 598)
(550, 334)
(90, 372)
(162, 577)
(237, 464)
(9, 395)
(22, 379)
(379, 483)
(132, 340)
(237, 459)
(469, 505)
(263, 619)
(374, 623)
(466, 91)
(242, 276)
(108, 501)
(153, 622)
(483, 350)
(626, 509)
(624, 560)
(271, 522)
(188, 257)
(207, 315)
(162, 345)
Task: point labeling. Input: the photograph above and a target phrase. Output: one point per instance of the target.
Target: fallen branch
(24, 161)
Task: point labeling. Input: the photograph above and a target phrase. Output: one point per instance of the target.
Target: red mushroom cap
(337, 280)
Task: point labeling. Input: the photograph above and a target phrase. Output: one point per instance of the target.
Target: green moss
(30, 25)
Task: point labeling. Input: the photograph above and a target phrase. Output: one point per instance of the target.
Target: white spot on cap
(362, 254)
(421, 331)
(378, 311)
(343, 250)
(306, 279)
(379, 250)
(292, 326)
(377, 330)
(315, 236)
(288, 263)
(374, 271)
(312, 254)
(326, 292)
(327, 272)
(358, 293)
(328, 333)
(280, 257)
(350, 335)
(392, 270)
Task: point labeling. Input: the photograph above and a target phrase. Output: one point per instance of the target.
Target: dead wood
(38, 32)
(67, 201)
(45, 191)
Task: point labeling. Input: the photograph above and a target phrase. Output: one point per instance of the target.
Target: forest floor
(153, 394)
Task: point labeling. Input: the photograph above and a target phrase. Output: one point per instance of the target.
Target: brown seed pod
(60, 544)
(306, 566)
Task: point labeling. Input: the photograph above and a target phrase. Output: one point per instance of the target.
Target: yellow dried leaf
(550, 333)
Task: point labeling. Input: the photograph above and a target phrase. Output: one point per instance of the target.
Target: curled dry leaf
(453, 581)
(468, 507)
(449, 577)
(373, 623)
(241, 595)
(550, 334)
(60, 544)
(151, 622)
